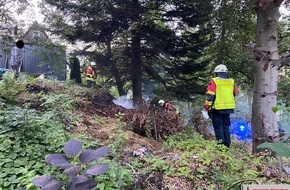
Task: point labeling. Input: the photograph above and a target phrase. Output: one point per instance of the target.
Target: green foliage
(53, 57)
(117, 138)
(284, 100)
(235, 25)
(275, 109)
(279, 147)
(100, 120)
(9, 88)
(283, 35)
(118, 177)
(25, 136)
(191, 157)
(29, 131)
(60, 102)
(60, 105)
(114, 91)
(181, 58)
(283, 91)
(78, 91)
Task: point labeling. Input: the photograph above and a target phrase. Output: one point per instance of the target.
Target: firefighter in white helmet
(91, 75)
(221, 69)
(220, 103)
(161, 103)
(167, 106)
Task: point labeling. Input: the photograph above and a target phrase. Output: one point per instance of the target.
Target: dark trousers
(90, 83)
(221, 124)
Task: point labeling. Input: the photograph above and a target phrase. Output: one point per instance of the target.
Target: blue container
(2, 71)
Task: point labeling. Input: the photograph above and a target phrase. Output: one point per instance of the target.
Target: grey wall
(38, 59)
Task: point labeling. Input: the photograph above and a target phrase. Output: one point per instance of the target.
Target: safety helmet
(93, 63)
(220, 68)
(161, 102)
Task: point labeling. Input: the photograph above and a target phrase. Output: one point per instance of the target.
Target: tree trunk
(264, 121)
(119, 82)
(75, 70)
(136, 73)
(136, 70)
(114, 70)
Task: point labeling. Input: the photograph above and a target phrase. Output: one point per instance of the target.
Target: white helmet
(93, 63)
(161, 102)
(220, 68)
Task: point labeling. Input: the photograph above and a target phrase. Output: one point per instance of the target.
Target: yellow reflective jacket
(224, 96)
(90, 74)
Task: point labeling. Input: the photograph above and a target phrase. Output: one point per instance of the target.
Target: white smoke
(124, 102)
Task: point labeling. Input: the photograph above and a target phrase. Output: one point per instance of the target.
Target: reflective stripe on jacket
(224, 94)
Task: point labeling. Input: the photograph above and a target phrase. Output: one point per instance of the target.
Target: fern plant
(78, 172)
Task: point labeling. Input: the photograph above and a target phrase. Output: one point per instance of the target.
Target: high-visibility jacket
(221, 93)
(90, 74)
(224, 95)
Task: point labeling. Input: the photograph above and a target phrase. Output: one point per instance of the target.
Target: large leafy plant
(79, 170)
(280, 148)
(25, 134)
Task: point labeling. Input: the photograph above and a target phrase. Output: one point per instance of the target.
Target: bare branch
(281, 63)
(262, 54)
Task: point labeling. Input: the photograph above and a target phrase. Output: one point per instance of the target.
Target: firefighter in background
(220, 103)
(168, 106)
(91, 75)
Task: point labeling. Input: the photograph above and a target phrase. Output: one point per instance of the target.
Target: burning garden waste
(148, 120)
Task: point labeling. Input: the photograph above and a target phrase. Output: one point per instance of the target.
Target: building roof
(34, 34)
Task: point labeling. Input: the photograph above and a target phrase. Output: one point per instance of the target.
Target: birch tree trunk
(264, 121)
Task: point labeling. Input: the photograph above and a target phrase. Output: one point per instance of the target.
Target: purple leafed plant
(78, 178)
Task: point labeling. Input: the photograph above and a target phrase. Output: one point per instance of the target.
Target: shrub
(25, 135)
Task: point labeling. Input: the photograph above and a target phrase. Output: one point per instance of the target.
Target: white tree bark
(264, 122)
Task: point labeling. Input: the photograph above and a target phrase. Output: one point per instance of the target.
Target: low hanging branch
(281, 63)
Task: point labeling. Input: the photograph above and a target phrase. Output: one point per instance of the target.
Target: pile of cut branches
(154, 123)
(147, 121)
(150, 122)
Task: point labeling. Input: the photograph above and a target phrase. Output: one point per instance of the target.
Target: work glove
(206, 107)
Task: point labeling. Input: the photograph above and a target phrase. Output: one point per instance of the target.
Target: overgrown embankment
(37, 117)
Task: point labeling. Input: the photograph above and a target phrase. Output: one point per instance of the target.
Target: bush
(25, 136)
